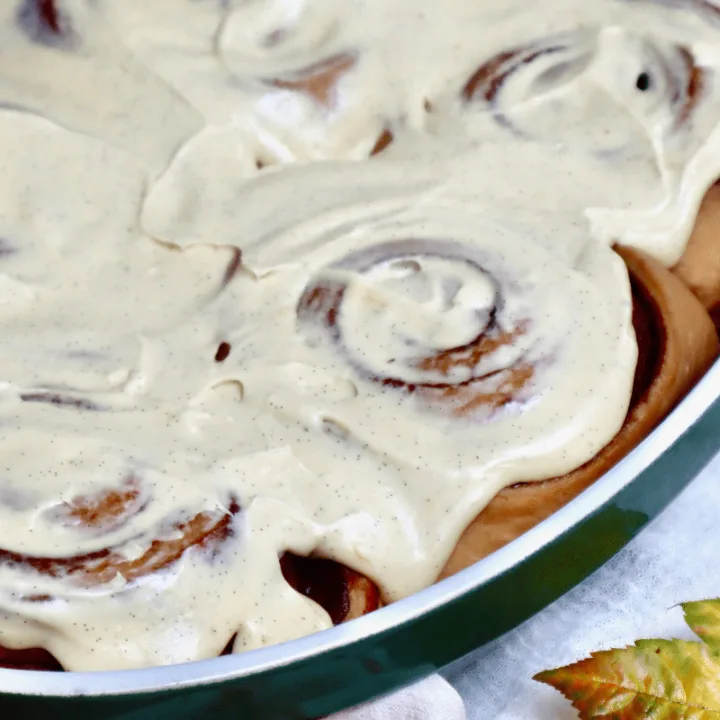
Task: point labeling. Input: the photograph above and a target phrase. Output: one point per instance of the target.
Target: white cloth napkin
(431, 699)
(634, 596)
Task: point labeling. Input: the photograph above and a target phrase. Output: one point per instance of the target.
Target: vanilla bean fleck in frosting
(313, 276)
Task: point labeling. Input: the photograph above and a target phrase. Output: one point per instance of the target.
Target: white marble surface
(634, 596)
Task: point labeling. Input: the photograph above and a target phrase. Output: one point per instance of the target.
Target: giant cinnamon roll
(666, 100)
(306, 305)
(676, 342)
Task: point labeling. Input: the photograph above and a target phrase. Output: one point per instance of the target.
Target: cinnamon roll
(536, 92)
(507, 83)
(677, 343)
(464, 378)
(305, 305)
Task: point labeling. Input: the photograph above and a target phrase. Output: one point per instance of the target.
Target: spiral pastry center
(428, 322)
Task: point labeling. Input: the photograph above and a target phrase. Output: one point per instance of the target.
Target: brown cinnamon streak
(490, 76)
(104, 510)
(693, 89)
(204, 530)
(493, 390)
(383, 142)
(318, 81)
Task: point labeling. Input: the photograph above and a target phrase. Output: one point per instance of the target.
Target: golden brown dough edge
(676, 349)
(699, 267)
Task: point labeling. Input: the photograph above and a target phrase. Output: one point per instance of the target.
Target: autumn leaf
(704, 620)
(653, 679)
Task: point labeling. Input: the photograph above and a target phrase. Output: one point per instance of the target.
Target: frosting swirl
(432, 315)
(444, 347)
(521, 84)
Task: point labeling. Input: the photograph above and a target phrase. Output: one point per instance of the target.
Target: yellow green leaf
(654, 679)
(703, 617)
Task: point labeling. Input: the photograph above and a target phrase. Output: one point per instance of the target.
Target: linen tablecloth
(635, 595)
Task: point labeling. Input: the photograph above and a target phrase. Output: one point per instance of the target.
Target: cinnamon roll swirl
(464, 378)
(508, 83)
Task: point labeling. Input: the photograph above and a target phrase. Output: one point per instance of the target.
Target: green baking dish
(329, 671)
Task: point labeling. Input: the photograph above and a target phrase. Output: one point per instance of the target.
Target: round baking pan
(317, 675)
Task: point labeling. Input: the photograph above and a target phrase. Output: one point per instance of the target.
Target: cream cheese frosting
(404, 333)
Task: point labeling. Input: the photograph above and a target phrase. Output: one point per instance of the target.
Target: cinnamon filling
(319, 81)
(205, 531)
(383, 142)
(341, 592)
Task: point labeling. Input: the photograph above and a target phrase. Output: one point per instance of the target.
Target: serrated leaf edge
(709, 714)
